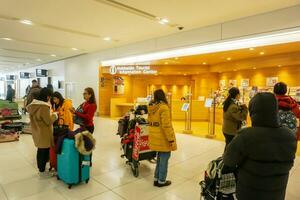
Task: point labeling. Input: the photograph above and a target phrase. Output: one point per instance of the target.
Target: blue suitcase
(72, 167)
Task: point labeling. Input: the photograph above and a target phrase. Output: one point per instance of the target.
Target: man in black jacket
(263, 153)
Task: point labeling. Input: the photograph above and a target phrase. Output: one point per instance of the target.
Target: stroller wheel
(135, 168)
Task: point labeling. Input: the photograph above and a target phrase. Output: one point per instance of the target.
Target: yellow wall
(289, 75)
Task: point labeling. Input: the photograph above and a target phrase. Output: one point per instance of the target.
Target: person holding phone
(87, 110)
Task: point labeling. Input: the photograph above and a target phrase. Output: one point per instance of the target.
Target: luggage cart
(136, 148)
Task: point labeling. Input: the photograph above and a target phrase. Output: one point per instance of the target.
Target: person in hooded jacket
(285, 102)
(263, 153)
(41, 121)
(161, 136)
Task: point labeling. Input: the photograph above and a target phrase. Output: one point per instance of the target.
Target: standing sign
(185, 107)
(208, 102)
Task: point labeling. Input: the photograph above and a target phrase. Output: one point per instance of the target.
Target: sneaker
(45, 175)
(155, 183)
(167, 183)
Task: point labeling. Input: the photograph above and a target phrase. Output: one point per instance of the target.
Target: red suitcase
(53, 159)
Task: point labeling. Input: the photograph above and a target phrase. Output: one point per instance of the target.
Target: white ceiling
(64, 24)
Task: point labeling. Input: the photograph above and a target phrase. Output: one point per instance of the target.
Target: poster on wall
(222, 84)
(271, 81)
(245, 83)
(118, 87)
(232, 83)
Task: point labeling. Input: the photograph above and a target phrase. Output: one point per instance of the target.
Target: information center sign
(131, 70)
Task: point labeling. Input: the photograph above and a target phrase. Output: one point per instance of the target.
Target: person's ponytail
(232, 93)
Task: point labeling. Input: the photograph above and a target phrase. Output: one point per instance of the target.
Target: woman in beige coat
(161, 136)
(41, 121)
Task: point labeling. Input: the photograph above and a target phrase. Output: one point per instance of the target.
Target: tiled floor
(111, 178)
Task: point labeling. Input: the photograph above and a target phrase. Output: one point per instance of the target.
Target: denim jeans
(161, 170)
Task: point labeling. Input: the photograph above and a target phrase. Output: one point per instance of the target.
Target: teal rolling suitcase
(72, 167)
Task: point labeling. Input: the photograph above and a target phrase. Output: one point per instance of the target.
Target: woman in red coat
(89, 108)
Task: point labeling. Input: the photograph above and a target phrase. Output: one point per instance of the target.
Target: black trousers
(228, 139)
(90, 129)
(42, 158)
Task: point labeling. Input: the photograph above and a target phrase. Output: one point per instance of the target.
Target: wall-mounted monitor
(24, 75)
(41, 73)
(10, 77)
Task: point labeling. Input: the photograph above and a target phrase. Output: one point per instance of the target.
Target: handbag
(58, 129)
(78, 120)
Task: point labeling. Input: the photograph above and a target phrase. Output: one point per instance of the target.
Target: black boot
(167, 183)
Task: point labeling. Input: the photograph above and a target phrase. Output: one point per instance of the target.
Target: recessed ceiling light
(74, 49)
(254, 67)
(107, 39)
(279, 65)
(26, 21)
(38, 60)
(228, 58)
(166, 63)
(176, 58)
(163, 21)
(27, 63)
(235, 70)
(251, 49)
(8, 39)
(204, 63)
(262, 53)
(184, 74)
(53, 55)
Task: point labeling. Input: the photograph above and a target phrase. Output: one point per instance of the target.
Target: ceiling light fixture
(228, 58)
(235, 70)
(166, 63)
(204, 63)
(107, 39)
(74, 49)
(279, 37)
(8, 39)
(254, 67)
(53, 55)
(176, 58)
(262, 53)
(26, 21)
(251, 49)
(279, 65)
(163, 21)
(38, 60)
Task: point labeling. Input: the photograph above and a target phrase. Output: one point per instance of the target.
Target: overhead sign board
(131, 70)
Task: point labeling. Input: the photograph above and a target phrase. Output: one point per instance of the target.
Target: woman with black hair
(234, 113)
(62, 107)
(89, 108)
(41, 121)
(161, 136)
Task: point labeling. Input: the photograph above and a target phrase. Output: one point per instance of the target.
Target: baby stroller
(135, 144)
(217, 185)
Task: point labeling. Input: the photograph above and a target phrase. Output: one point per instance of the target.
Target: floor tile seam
(169, 189)
(60, 193)
(4, 192)
(110, 189)
(117, 187)
(180, 162)
(95, 195)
